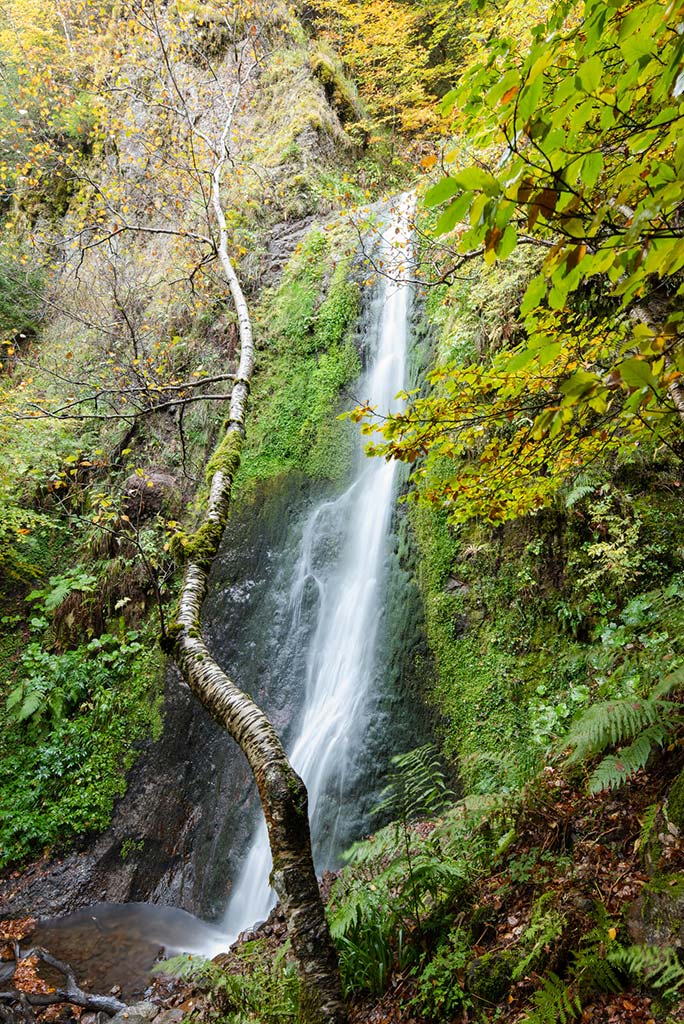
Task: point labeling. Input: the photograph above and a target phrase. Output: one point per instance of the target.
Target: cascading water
(315, 614)
(345, 589)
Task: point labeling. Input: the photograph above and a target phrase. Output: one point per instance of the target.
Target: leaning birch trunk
(282, 793)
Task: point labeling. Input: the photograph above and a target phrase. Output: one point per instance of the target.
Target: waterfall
(339, 574)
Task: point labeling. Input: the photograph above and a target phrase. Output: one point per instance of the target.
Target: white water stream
(339, 567)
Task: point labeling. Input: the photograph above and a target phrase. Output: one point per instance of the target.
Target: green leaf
(448, 101)
(579, 384)
(508, 243)
(475, 178)
(589, 74)
(536, 292)
(592, 165)
(453, 214)
(15, 696)
(636, 373)
(444, 189)
(32, 703)
(520, 360)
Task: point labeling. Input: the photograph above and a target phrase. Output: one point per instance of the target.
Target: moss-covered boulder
(675, 802)
(657, 917)
(489, 977)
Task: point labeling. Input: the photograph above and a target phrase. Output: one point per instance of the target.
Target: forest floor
(577, 850)
(573, 850)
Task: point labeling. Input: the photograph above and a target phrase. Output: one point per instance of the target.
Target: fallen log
(69, 993)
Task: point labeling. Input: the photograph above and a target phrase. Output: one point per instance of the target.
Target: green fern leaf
(612, 722)
(615, 769)
(658, 968)
(553, 1003)
(582, 487)
(673, 681)
(32, 703)
(15, 697)
(417, 786)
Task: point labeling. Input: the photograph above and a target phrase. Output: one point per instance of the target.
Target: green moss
(201, 546)
(670, 885)
(226, 456)
(488, 978)
(675, 802)
(168, 639)
(308, 358)
(477, 681)
(340, 93)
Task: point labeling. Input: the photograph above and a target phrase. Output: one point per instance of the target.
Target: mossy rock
(339, 93)
(657, 917)
(489, 977)
(675, 802)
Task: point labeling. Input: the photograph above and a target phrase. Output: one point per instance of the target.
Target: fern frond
(377, 848)
(346, 909)
(184, 966)
(648, 821)
(545, 928)
(439, 876)
(583, 486)
(612, 722)
(553, 1003)
(658, 968)
(595, 973)
(672, 682)
(417, 786)
(615, 769)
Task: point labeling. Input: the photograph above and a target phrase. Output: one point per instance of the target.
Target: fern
(658, 968)
(439, 877)
(187, 966)
(545, 927)
(554, 1003)
(615, 769)
(583, 485)
(648, 824)
(609, 723)
(594, 972)
(417, 786)
(648, 722)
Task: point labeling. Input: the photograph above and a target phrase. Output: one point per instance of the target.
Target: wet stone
(137, 1013)
(173, 1016)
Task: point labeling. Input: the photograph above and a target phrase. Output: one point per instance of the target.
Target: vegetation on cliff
(543, 435)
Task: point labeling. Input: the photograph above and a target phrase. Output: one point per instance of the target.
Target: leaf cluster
(578, 151)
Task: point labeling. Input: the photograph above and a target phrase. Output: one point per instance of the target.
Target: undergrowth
(251, 984)
(71, 726)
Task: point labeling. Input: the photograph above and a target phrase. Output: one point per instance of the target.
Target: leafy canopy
(580, 152)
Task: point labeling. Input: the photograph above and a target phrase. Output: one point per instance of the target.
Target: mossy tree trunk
(282, 793)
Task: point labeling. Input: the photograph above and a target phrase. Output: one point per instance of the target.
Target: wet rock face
(191, 805)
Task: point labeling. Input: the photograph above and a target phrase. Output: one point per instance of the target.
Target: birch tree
(166, 186)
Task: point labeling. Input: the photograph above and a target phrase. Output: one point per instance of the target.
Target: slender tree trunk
(676, 393)
(282, 793)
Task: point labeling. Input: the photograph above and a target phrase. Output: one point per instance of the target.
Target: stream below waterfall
(309, 638)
